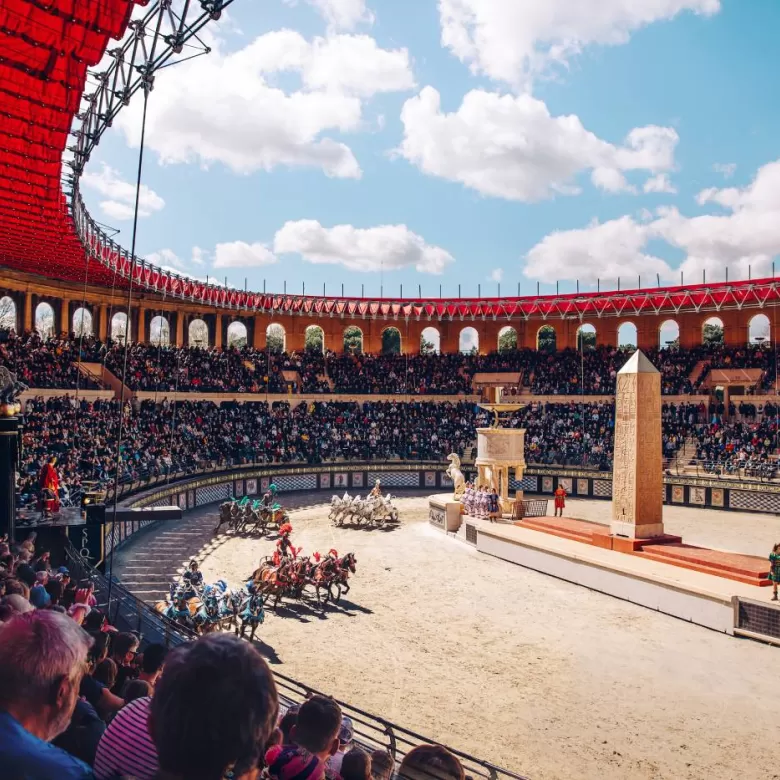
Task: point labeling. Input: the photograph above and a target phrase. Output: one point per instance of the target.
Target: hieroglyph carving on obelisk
(637, 473)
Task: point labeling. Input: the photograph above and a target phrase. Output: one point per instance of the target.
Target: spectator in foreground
(152, 664)
(430, 762)
(346, 735)
(42, 659)
(315, 738)
(382, 765)
(356, 765)
(213, 710)
(126, 747)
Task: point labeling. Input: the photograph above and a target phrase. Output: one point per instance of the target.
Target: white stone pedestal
(444, 513)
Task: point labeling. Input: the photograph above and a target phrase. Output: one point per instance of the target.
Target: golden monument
(499, 450)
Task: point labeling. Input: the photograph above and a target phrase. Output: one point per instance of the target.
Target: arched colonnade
(184, 324)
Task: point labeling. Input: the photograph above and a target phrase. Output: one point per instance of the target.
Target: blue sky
(419, 143)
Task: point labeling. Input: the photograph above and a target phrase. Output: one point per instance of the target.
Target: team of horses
(215, 608)
(245, 515)
(290, 576)
(372, 510)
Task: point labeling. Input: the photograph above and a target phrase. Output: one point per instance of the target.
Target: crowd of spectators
(593, 371)
(44, 363)
(167, 438)
(78, 701)
(746, 447)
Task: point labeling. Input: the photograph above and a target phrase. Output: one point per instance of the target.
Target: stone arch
(120, 327)
(546, 339)
(44, 320)
(198, 333)
(82, 322)
(237, 334)
(391, 341)
(275, 337)
(7, 313)
(627, 336)
(468, 341)
(759, 330)
(712, 331)
(314, 340)
(586, 337)
(160, 331)
(669, 334)
(353, 340)
(430, 341)
(507, 339)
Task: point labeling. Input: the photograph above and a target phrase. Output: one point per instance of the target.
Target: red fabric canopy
(46, 47)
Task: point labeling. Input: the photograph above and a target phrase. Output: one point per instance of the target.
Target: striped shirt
(126, 747)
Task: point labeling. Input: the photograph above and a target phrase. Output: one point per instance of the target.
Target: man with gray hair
(43, 656)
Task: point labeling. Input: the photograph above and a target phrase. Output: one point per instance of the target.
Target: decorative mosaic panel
(191, 499)
(324, 481)
(717, 498)
(264, 483)
(395, 478)
(678, 494)
(583, 488)
(436, 517)
(239, 488)
(547, 484)
(297, 482)
(182, 501)
(341, 480)
(251, 487)
(430, 479)
(357, 479)
(444, 480)
(566, 484)
(602, 487)
(528, 484)
(697, 495)
(757, 501)
(213, 493)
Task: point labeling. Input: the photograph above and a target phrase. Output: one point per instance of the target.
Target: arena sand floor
(539, 675)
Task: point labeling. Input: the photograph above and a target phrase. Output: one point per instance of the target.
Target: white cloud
(660, 183)
(747, 234)
(239, 254)
(198, 255)
(514, 40)
(605, 251)
(511, 147)
(165, 258)
(496, 275)
(343, 14)
(121, 194)
(225, 108)
(725, 169)
(361, 249)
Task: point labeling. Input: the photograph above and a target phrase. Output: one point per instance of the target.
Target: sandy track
(539, 675)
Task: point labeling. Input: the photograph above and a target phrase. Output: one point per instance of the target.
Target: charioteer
(376, 491)
(193, 580)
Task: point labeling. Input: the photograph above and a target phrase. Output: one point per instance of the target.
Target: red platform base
(747, 569)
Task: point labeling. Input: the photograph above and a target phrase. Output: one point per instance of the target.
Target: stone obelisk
(637, 475)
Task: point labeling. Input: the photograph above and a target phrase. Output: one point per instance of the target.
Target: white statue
(456, 475)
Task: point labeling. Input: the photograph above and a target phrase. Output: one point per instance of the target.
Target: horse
(332, 571)
(208, 618)
(273, 580)
(228, 512)
(252, 615)
(456, 475)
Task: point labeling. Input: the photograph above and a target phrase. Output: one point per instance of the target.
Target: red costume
(560, 500)
(50, 488)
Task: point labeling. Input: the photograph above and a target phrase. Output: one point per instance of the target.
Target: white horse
(456, 475)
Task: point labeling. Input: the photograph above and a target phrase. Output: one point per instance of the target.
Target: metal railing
(128, 613)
